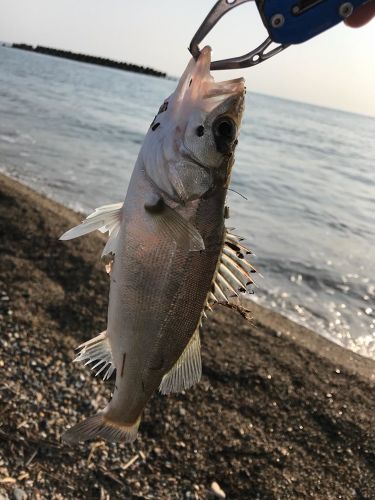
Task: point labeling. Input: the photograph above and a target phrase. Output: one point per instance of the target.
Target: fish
(171, 256)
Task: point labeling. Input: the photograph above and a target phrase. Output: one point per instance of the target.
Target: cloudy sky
(336, 69)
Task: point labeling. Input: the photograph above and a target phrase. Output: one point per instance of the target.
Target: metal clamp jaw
(250, 59)
(287, 22)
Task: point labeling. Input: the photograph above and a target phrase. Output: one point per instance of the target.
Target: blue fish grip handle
(295, 21)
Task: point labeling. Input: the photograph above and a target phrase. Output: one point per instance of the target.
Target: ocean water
(73, 131)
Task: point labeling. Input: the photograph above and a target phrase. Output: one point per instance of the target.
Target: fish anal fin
(98, 351)
(187, 371)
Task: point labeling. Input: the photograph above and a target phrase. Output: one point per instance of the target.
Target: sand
(280, 412)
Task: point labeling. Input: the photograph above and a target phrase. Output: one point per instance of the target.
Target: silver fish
(173, 258)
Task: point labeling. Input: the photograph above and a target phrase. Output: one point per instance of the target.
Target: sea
(303, 182)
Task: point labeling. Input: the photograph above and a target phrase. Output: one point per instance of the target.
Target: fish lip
(202, 85)
(203, 67)
(223, 92)
(227, 88)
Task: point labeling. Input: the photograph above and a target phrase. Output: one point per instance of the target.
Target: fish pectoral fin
(187, 371)
(172, 225)
(105, 218)
(98, 351)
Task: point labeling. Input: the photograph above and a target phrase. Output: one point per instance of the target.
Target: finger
(362, 15)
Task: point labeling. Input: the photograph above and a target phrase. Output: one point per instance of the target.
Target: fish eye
(225, 129)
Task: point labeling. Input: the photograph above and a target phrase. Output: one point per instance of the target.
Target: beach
(280, 411)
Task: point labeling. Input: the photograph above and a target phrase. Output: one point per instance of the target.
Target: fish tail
(99, 427)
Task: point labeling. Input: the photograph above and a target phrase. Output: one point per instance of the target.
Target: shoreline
(280, 411)
(268, 317)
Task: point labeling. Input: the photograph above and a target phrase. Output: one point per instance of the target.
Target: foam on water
(73, 131)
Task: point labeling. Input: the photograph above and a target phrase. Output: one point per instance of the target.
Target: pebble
(158, 451)
(19, 494)
(216, 490)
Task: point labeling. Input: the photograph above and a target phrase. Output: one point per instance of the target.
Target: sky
(335, 69)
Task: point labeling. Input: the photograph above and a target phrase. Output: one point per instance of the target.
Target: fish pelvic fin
(100, 427)
(187, 370)
(105, 218)
(98, 351)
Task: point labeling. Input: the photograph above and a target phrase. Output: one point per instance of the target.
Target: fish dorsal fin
(187, 371)
(105, 218)
(98, 351)
(233, 273)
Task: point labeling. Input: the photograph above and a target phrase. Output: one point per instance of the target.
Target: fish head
(212, 112)
(189, 148)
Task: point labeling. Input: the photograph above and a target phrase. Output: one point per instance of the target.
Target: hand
(362, 15)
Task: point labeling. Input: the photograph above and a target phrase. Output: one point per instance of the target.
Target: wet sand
(280, 412)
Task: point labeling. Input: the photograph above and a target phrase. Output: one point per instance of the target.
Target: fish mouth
(197, 87)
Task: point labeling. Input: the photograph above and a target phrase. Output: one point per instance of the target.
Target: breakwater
(101, 61)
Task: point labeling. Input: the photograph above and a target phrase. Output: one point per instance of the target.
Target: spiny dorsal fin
(233, 274)
(105, 218)
(99, 350)
(187, 371)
